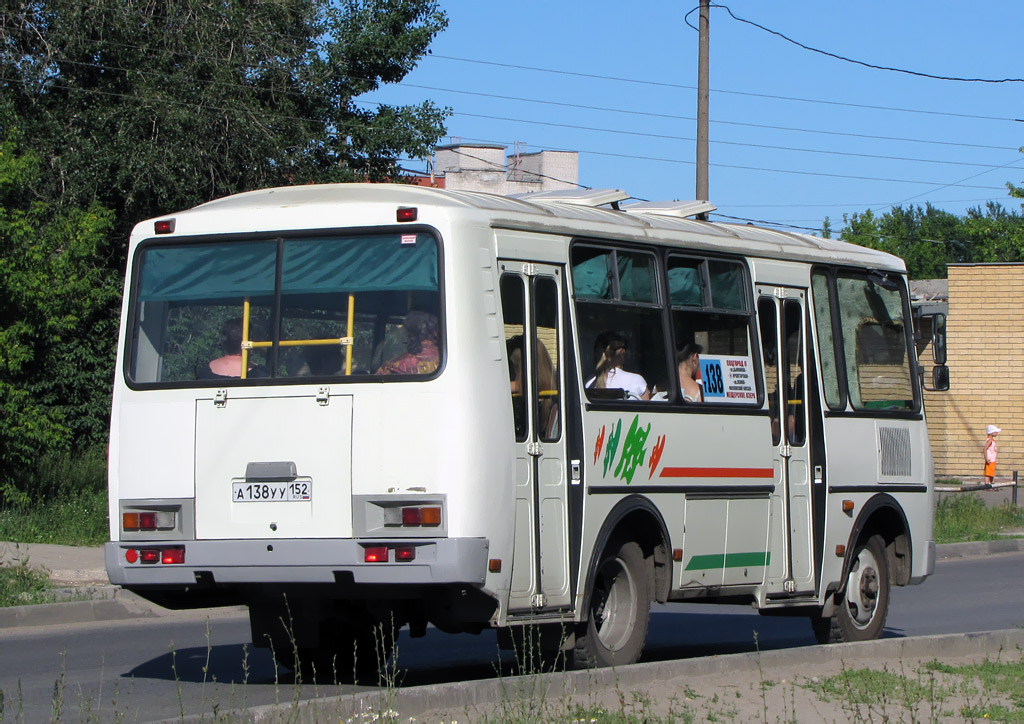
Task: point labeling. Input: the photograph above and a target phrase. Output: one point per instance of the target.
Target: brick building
(985, 348)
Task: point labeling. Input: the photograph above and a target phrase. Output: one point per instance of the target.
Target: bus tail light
(148, 520)
(425, 516)
(405, 554)
(149, 555)
(173, 555)
(375, 554)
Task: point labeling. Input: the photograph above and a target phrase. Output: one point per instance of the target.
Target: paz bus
(353, 406)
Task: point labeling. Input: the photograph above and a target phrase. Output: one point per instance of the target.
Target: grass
(78, 519)
(965, 517)
(20, 584)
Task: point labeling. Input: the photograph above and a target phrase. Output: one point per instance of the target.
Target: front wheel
(620, 606)
(862, 608)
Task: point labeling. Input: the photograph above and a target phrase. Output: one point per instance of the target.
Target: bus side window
(618, 306)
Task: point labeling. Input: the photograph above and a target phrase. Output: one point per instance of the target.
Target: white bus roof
(315, 206)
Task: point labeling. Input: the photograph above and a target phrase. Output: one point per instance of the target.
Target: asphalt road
(150, 669)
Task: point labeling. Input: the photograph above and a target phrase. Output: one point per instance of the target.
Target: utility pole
(702, 103)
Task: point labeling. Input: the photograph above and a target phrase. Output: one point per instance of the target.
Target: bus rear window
(284, 309)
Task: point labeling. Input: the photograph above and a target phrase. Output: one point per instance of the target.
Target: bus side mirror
(940, 378)
(939, 342)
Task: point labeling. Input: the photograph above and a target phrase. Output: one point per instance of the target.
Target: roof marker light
(164, 226)
(407, 213)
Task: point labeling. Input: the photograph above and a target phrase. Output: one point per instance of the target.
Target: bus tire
(619, 610)
(862, 606)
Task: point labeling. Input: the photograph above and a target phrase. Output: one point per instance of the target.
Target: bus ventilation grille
(894, 443)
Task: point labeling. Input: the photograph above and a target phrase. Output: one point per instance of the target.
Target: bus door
(531, 297)
(781, 313)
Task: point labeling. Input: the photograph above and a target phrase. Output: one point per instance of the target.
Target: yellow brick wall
(985, 350)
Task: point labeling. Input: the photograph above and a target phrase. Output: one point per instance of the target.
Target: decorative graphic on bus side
(634, 450)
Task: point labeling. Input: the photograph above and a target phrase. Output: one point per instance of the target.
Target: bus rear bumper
(296, 561)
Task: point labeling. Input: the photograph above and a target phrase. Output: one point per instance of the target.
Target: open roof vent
(677, 209)
(577, 197)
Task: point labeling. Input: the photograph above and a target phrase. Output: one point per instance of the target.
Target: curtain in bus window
(636, 277)
(360, 264)
(685, 285)
(215, 271)
(726, 279)
(590, 275)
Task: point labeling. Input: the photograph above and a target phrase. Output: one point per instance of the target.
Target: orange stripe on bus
(717, 473)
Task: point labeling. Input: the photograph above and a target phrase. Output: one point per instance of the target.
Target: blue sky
(858, 138)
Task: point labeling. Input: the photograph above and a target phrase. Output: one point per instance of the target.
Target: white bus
(354, 405)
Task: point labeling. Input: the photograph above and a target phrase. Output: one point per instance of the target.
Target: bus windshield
(286, 308)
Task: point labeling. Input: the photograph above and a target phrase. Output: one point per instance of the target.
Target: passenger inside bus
(547, 384)
(422, 355)
(688, 365)
(230, 363)
(610, 353)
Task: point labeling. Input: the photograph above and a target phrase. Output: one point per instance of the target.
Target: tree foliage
(113, 111)
(56, 299)
(928, 238)
(152, 106)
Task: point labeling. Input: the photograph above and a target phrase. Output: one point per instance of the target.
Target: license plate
(246, 492)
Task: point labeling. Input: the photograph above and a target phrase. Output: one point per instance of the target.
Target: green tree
(56, 298)
(150, 107)
(928, 239)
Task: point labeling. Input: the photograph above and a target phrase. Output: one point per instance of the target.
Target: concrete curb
(109, 603)
(979, 548)
(458, 697)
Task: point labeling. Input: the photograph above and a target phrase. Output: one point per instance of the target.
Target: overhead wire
(873, 66)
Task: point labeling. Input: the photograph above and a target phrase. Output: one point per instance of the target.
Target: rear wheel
(620, 604)
(862, 607)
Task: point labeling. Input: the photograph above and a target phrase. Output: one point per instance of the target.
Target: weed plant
(20, 584)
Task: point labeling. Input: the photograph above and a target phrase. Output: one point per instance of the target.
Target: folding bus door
(781, 316)
(531, 297)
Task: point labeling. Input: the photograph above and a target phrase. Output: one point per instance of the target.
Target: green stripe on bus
(732, 560)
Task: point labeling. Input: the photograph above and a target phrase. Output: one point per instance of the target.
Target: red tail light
(173, 555)
(376, 554)
(148, 555)
(405, 554)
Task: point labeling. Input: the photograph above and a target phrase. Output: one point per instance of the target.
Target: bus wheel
(863, 606)
(620, 605)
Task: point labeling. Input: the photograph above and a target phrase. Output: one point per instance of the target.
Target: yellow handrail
(245, 337)
(348, 332)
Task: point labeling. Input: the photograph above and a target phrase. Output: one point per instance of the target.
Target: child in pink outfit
(991, 453)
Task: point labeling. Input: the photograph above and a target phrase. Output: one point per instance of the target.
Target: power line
(843, 58)
(674, 117)
(723, 143)
(682, 86)
(568, 105)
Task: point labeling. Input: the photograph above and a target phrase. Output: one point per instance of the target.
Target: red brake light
(407, 213)
(376, 554)
(147, 555)
(147, 521)
(410, 516)
(164, 226)
(173, 555)
(405, 554)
